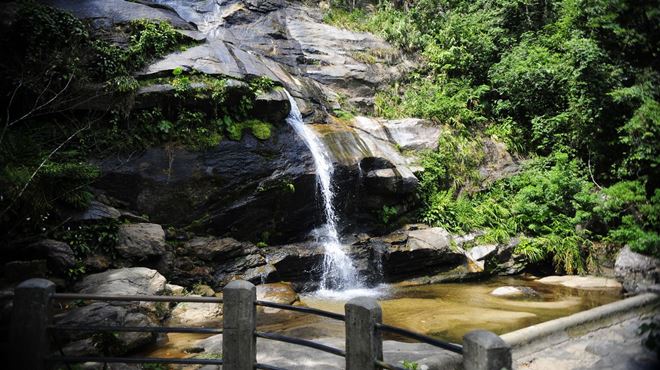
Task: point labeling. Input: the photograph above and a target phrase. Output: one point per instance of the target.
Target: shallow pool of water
(445, 311)
(448, 311)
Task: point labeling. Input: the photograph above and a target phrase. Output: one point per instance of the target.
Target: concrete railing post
(484, 350)
(364, 343)
(239, 344)
(28, 335)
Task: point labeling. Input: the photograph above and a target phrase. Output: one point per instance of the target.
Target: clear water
(339, 273)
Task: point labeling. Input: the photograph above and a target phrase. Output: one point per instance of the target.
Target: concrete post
(364, 343)
(484, 350)
(28, 333)
(239, 344)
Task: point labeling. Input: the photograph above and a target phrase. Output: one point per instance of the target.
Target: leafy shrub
(388, 213)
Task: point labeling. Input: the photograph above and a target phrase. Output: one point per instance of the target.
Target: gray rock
(390, 181)
(481, 252)
(260, 274)
(272, 106)
(296, 262)
(279, 39)
(413, 133)
(498, 163)
(140, 242)
(432, 238)
(218, 250)
(478, 255)
(106, 13)
(197, 314)
(513, 291)
(636, 271)
(427, 251)
(215, 261)
(175, 290)
(59, 255)
(126, 281)
(106, 314)
(96, 211)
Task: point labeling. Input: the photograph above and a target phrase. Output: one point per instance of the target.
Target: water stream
(338, 273)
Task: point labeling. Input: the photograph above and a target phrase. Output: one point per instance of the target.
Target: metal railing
(32, 332)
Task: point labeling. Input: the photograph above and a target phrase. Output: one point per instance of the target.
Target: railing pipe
(456, 348)
(133, 298)
(138, 329)
(313, 311)
(301, 342)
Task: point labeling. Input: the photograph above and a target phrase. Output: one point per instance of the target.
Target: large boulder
(106, 314)
(636, 271)
(282, 293)
(141, 242)
(426, 251)
(59, 256)
(196, 314)
(125, 281)
(95, 211)
(297, 263)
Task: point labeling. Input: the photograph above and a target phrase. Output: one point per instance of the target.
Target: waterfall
(338, 270)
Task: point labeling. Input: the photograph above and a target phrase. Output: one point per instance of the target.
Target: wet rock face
(376, 164)
(106, 13)
(246, 189)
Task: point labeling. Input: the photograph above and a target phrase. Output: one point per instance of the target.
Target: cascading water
(338, 270)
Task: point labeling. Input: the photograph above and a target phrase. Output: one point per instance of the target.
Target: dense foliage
(569, 83)
(69, 93)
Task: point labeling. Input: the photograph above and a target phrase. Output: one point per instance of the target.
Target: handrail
(300, 342)
(456, 348)
(313, 311)
(215, 300)
(134, 298)
(139, 329)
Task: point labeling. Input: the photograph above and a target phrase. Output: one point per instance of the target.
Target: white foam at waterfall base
(338, 270)
(347, 294)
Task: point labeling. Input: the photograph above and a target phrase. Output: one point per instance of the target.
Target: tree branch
(50, 155)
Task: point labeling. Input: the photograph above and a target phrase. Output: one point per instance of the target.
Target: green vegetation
(70, 96)
(571, 84)
(387, 214)
(410, 365)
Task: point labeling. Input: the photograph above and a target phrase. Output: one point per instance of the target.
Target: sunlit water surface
(445, 311)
